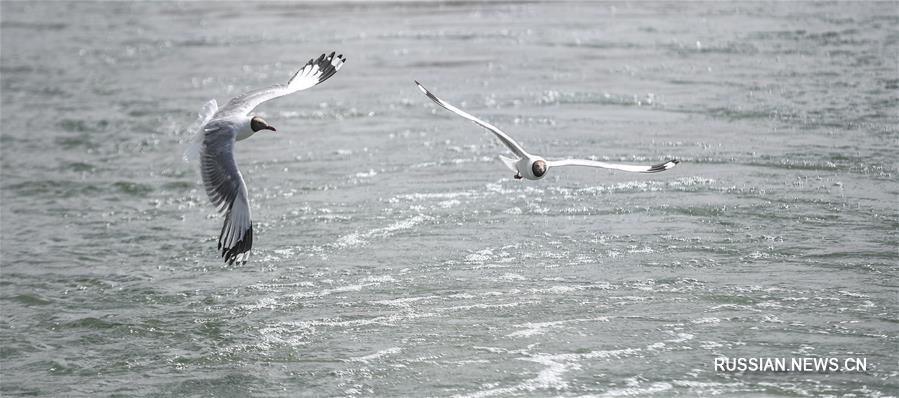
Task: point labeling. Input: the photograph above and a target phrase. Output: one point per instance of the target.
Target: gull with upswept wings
(214, 145)
(534, 167)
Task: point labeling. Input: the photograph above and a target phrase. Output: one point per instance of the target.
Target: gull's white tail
(509, 162)
(192, 152)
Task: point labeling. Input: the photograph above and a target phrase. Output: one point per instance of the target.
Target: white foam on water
(379, 278)
(499, 189)
(268, 287)
(655, 346)
(681, 337)
(679, 184)
(404, 302)
(290, 334)
(493, 350)
(629, 298)
(690, 182)
(400, 225)
(710, 345)
(350, 240)
(480, 306)
(769, 318)
(707, 320)
(853, 294)
(634, 391)
(557, 289)
(489, 393)
(423, 165)
(738, 307)
(446, 204)
(712, 388)
(418, 197)
(357, 239)
(643, 250)
(769, 304)
(513, 211)
(794, 389)
(286, 300)
(377, 355)
(533, 329)
(551, 377)
(479, 256)
(368, 174)
(310, 327)
(512, 277)
(491, 258)
(343, 289)
(471, 361)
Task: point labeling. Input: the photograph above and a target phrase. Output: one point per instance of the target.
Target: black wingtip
(669, 164)
(243, 246)
(424, 90)
(326, 64)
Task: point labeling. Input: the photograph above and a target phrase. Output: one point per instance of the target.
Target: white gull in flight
(534, 167)
(214, 145)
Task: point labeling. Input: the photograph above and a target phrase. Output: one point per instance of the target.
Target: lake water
(396, 256)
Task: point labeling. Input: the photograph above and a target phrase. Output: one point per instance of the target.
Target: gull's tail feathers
(509, 162)
(192, 152)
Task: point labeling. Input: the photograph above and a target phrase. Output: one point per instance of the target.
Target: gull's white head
(257, 123)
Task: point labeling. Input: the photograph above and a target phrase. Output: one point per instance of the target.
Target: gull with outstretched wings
(533, 167)
(214, 145)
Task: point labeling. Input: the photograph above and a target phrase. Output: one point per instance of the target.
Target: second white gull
(535, 167)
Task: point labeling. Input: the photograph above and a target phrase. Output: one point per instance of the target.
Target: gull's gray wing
(513, 146)
(624, 167)
(227, 191)
(314, 72)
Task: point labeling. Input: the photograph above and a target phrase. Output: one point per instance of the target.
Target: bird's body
(220, 129)
(240, 126)
(533, 167)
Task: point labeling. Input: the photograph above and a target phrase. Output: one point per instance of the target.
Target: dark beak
(269, 127)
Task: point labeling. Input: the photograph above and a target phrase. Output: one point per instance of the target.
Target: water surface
(395, 256)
